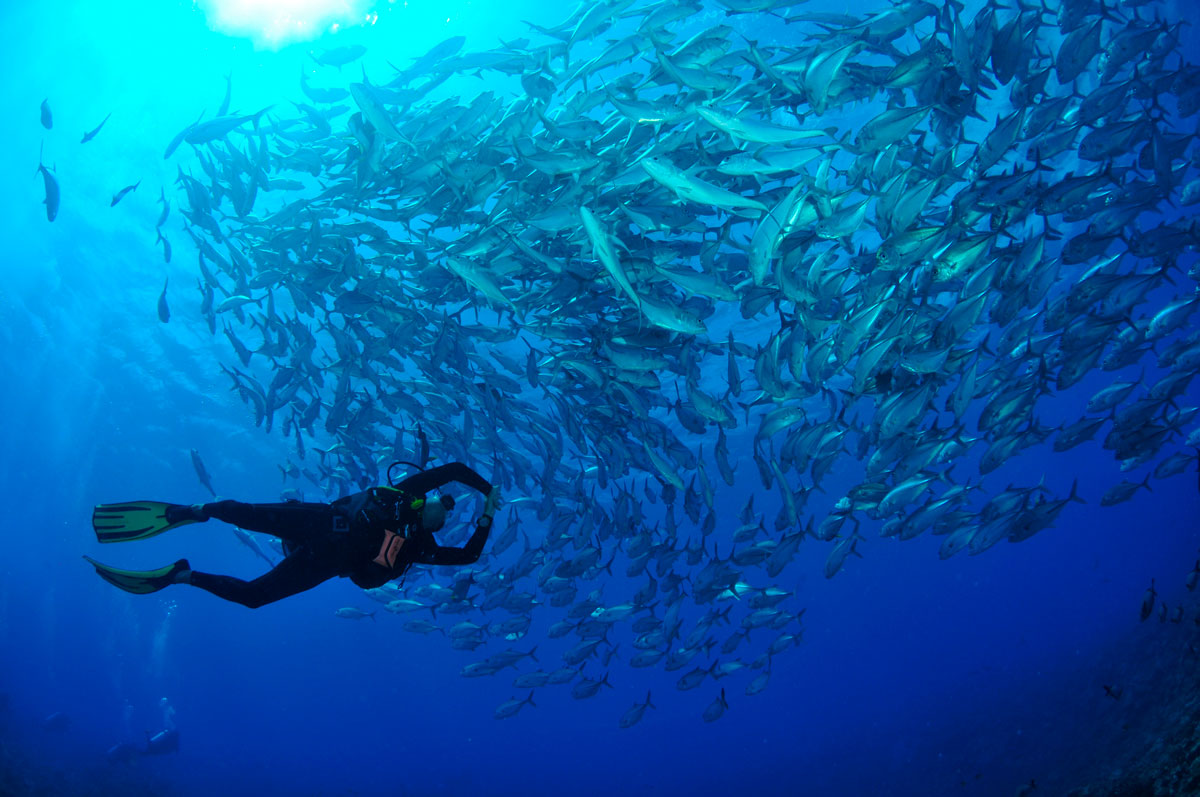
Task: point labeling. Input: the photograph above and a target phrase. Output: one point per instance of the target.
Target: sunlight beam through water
(275, 23)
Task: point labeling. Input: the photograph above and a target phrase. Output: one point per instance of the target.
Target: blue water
(915, 676)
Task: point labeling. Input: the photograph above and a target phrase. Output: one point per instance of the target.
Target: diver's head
(433, 514)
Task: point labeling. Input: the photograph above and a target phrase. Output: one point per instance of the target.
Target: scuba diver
(164, 742)
(372, 537)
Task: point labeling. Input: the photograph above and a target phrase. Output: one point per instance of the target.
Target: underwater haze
(834, 361)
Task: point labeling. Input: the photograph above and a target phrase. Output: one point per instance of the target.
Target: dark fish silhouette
(201, 471)
(166, 246)
(164, 313)
(224, 109)
(340, 56)
(88, 136)
(1148, 601)
(51, 186)
(117, 197)
(166, 208)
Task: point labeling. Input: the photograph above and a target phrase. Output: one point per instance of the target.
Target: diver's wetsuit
(372, 537)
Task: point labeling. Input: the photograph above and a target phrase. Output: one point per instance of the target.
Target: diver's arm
(432, 479)
(469, 553)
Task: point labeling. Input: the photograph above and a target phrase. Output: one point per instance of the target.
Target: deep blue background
(914, 674)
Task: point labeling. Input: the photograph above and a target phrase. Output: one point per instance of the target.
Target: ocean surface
(1023, 667)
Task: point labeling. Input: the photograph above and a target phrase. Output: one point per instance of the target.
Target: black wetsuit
(371, 537)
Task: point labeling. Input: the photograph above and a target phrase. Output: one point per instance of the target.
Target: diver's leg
(301, 571)
(292, 521)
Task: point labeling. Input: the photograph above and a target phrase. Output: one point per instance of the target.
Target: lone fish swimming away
(51, 186)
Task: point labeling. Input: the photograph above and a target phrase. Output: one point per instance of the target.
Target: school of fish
(680, 259)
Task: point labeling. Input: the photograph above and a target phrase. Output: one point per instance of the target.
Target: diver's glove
(489, 507)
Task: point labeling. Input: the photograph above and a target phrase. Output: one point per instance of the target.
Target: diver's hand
(492, 503)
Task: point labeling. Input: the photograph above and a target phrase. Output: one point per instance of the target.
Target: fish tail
(254, 119)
